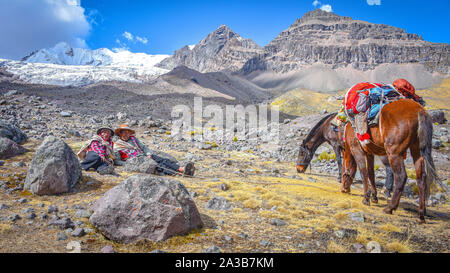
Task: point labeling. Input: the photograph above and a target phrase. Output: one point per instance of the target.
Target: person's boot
(189, 169)
(109, 169)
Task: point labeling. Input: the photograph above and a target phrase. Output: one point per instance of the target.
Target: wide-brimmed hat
(124, 127)
(105, 127)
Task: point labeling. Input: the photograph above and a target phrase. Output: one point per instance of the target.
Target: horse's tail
(425, 134)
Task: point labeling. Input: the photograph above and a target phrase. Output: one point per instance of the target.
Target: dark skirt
(168, 166)
(93, 160)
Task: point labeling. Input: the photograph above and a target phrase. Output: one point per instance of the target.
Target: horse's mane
(316, 127)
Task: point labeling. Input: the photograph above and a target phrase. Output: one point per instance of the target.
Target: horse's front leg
(360, 158)
(337, 152)
(371, 173)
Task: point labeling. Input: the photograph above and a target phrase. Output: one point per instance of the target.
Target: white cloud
(143, 40)
(373, 2)
(128, 36)
(26, 25)
(316, 3)
(326, 8)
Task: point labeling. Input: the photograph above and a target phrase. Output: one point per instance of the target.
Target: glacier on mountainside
(63, 65)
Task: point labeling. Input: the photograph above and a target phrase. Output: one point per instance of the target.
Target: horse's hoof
(387, 211)
(366, 202)
(375, 200)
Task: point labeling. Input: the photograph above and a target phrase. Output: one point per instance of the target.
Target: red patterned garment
(99, 149)
(128, 153)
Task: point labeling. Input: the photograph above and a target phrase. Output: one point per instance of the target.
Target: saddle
(363, 103)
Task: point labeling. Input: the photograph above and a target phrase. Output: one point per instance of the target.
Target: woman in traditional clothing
(98, 153)
(128, 146)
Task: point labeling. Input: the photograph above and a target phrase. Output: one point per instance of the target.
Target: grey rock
(219, 203)
(346, 233)
(61, 236)
(31, 215)
(14, 217)
(52, 208)
(78, 232)
(108, 249)
(277, 222)
(9, 148)
(22, 200)
(4, 206)
(437, 116)
(223, 187)
(145, 207)
(436, 143)
(64, 223)
(357, 216)
(228, 238)
(11, 93)
(212, 249)
(157, 251)
(54, 169)
(265, 243)
(83, 214)
(140, 164)
(65, 114)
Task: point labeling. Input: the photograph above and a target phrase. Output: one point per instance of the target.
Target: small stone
(311, 179)
(31, 215)
(65, 114)
(277, 222)
(83, 214)
(157, 251)
(61, 236)
(14, 217)
(357, 217)
(52, 208)
(223, 186)
(22, 200)
(41, 205)
(228, 238)
(358, 248)
(108, 249)
(243, 236)
(373, 247)
(265, 243)
(78, 232)
(3, 206)
(212, 249)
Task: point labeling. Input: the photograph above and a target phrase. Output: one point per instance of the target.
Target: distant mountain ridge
(337, 41)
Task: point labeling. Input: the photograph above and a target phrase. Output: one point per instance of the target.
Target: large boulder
(437, 116)
(54, 169)
(145, 207)
(140, 164)
(9, 148)
(12, 132)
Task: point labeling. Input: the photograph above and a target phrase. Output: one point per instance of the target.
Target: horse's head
(304, 157)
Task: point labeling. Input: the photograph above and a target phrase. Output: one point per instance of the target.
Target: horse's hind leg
(419, 164)
(398, 166)
(389, 184)
(371, 176)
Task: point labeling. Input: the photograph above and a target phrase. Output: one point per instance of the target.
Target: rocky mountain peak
(321, 15)
(222, 50)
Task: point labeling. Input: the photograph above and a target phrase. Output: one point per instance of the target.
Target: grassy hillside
(301, 102)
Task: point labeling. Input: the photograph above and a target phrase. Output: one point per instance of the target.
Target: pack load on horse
(363, 102)
(403, 124)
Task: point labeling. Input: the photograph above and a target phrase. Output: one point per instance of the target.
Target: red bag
(406, 89)
(353, 94)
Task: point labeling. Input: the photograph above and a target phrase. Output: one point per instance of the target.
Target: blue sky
(169, 25)
(163, 26)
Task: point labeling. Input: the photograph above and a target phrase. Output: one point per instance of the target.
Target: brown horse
(403, 125)
(322, 132)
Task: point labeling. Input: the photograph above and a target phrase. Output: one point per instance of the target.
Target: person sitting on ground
(128, 146)
(98, 153)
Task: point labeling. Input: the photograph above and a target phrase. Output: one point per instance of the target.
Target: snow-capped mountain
(64, 65)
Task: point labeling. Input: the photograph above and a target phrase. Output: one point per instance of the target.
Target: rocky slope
(221, 50)
(325, 37)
